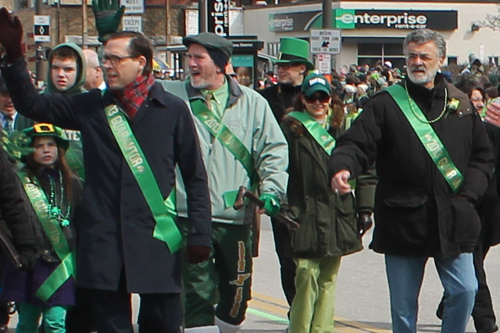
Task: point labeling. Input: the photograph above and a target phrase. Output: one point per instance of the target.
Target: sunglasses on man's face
(321, 97)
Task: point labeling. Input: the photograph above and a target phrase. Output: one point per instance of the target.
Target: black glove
(364, 223)
(196, 254)
(28, 258)
(11, 36)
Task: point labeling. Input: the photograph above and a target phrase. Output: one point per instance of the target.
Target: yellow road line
(280, 307)
(255, 303)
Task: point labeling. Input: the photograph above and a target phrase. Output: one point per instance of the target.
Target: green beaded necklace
(54, 207)
(428, 121)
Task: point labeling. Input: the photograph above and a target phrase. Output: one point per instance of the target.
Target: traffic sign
(324, 63)
(41, 28)
(325, 41)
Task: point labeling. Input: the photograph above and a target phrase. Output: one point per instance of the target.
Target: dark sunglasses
(322, 97)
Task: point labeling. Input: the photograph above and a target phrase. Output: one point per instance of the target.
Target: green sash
(55, 234)
(225, 136)
(428, 137)
(163, 212)
(320, 135)
(228, 140)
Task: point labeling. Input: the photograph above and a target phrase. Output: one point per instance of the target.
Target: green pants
(314, 303)
(224, 279)
(29, 315)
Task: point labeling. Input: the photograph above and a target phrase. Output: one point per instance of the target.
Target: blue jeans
(405, 275)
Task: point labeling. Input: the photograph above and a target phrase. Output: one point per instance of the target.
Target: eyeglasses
(114, 59)
(321, 97)
(284, 65)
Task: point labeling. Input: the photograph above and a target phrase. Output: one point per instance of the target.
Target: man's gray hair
(91, 58)
(422, 36)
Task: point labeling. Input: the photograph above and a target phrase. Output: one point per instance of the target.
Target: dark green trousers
(224, 279)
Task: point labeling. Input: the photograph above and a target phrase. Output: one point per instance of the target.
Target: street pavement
(362, 298)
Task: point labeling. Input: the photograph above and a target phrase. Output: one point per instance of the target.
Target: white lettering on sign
(405, 20)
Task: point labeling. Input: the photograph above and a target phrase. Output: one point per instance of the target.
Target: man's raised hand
(108, 16)
(11, 35)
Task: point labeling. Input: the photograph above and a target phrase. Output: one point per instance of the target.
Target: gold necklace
(418, 117)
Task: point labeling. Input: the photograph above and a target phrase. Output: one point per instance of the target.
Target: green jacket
(74, 155)
(250, 118)
(327, 221)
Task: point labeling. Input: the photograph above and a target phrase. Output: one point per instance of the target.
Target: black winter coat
(281, 98)
(45, 248)
(489, 207)
(416, 211)
(115, 234)
(16, 213)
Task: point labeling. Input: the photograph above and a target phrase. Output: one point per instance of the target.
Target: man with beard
(242, 144)
(434, 162)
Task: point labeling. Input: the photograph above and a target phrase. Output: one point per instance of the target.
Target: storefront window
(375, 54)
(370, 49)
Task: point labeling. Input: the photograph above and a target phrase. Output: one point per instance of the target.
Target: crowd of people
(113, 183)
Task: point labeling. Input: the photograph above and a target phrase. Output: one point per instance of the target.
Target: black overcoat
(416, 211)
(116, 230)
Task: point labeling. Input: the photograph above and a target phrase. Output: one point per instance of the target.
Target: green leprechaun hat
(294, 51)
(45, 129)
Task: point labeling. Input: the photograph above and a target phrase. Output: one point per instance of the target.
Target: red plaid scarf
(135, 93)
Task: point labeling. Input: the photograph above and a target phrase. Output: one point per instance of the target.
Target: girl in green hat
(53, 190)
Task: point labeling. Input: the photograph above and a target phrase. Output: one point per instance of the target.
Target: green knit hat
(44, 129)
(294, 51)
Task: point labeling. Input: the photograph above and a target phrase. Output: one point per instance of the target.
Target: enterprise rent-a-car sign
(395, 19)
(366, 19)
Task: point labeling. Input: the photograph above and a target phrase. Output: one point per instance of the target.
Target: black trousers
(112, 311)
(282, 243)
(483, 313)
(79, 317)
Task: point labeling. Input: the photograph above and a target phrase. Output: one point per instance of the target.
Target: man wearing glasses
(133, 136)
(292, 67)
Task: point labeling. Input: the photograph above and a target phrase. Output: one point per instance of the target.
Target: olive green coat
(327, 221)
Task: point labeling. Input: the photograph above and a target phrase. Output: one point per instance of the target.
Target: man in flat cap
(241, 144)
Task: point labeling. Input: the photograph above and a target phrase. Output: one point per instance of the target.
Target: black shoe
(489, 329)
(4, 329)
